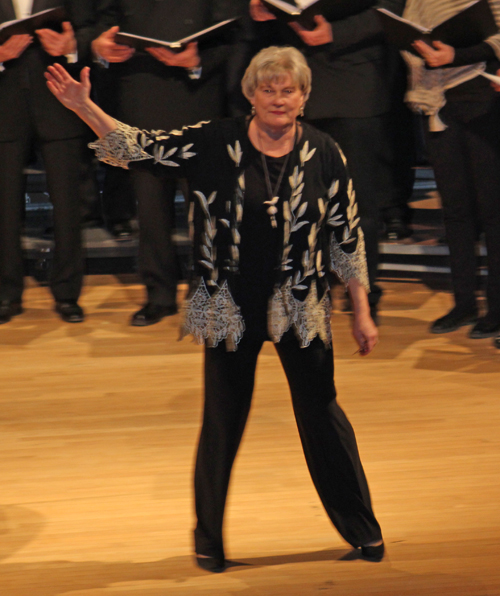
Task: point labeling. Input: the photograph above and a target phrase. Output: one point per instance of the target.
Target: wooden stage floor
(99, 423)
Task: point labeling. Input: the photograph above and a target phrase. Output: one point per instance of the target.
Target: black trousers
(156, 214)
(327, 438)
(366, 145)
(63, 161)
(466, 161)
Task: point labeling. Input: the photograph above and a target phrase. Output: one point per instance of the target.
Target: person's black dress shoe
(484, 328)
(496, 342)
(152, 313)
(212, 564)
(373, 553)
(122, 230)
(70, 311)
(8, 310)
(453, 321)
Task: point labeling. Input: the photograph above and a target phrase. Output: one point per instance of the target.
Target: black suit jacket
(152, 95)
(351, 75)
(25, 75)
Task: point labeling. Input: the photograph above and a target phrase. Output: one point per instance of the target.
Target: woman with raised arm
(272, 214)
(464, 149)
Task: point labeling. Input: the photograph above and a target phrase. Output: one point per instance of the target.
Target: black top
(260, 248)
(320, 231)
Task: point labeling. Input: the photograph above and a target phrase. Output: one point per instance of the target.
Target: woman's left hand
(319, 36)
(188, 58)
(365, 333)
(439, 54)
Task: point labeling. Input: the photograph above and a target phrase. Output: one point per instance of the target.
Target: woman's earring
(301, 112)
(252, 112)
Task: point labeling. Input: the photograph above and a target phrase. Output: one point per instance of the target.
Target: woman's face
(277, 103)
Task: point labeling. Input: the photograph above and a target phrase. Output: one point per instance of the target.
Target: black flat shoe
(152, 313)
(70, 311)
(484, 328)
(8, 310)
(453, 321)
(212, 564)
(496, 342)
(373, 553)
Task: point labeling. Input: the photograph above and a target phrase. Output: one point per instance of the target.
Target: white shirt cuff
(2, 67)
(72, 58)
(194, 73)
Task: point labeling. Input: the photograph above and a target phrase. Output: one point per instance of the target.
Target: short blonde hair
(274, 63)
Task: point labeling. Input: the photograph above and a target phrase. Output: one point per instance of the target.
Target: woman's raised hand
(71, 93)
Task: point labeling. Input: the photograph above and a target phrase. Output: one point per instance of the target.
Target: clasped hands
(54, 43)
(320, 35)
(105, 47)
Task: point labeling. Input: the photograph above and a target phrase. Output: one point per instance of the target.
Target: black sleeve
(356, 29)
(481, 52)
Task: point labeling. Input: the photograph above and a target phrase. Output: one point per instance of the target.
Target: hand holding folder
(14, 47)
(469, 27)
(303, 12)
(141, 43)
(105, 47)
(188, 58)
(58, 44)
(48, 19)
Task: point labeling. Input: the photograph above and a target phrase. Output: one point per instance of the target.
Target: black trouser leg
(452, 165)
(365, 143)
(118, 199)
(329, 442)
(483, 144)
(13, 156)
(157, 260)
(62, 161)
(229, 382)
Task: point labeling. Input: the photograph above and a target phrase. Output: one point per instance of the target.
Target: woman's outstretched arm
(76, 97)
(363, 329)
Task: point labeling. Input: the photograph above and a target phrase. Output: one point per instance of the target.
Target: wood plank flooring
(98, 426)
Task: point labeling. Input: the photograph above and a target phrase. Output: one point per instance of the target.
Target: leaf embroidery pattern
(207, 248)
(232, 263)
(121, 146)
(349, 265)
(213, 319)
(308, 318)
(185, 153)
(293, 211)
(235, 153)
(305, 154)
(162, 157)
